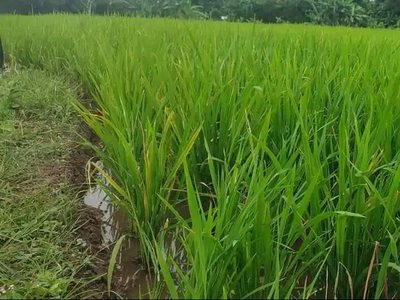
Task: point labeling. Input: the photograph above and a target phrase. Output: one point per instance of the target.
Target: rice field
(268, 154)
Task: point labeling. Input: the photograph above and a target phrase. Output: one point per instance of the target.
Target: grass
(41, 255)
(281, 141)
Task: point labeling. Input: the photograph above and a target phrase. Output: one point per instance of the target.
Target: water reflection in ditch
(98, 199)
(129, 278)
(130, 273)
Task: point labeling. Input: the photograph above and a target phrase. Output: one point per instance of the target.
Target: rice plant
(281, 140)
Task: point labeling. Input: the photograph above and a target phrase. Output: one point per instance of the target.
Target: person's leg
(1, 56)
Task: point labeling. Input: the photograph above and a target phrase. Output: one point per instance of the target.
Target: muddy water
(98, 199)
(129, 277)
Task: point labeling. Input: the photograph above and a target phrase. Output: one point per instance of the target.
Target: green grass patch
(41, 254)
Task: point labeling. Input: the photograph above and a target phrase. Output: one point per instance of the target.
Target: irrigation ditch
(107, 224)
(101, 225)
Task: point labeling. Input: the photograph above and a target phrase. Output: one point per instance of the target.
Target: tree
(39, 6)
(337, 12)
(328, 12)
(271, 11)
(386, 12)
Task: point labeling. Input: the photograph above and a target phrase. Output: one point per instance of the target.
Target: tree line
(361, 13)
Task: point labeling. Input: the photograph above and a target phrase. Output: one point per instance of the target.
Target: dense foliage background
(374, 13)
